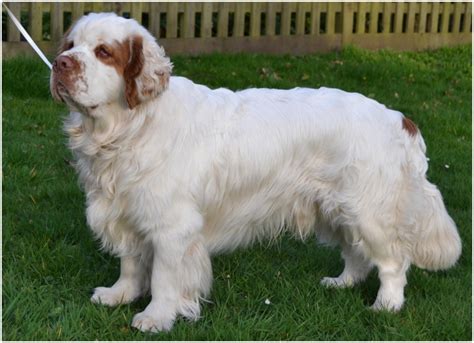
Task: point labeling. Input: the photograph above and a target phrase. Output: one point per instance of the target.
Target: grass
(51, 262)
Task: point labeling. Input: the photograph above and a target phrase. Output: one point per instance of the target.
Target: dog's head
(107, 59)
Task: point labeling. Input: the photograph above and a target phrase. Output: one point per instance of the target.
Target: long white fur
(194, 171)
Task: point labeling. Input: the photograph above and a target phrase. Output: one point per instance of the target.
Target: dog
(175, 172)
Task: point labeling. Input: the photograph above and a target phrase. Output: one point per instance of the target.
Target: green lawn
(51, 262)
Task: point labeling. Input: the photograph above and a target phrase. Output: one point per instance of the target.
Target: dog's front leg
(132, 283)
(181, 275)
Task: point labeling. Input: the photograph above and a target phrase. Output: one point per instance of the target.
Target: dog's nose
(63, 63)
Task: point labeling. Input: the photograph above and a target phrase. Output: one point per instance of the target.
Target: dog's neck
(106, 118)
(111, 127)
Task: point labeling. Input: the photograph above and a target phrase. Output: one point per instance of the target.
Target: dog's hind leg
(385, 248)
(356, 268)
(392, 275)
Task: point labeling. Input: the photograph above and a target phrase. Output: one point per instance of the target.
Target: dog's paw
(337, 282)
(113, 296)
(147, 322)
(390, 305)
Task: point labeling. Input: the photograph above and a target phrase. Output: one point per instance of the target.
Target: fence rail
(269, 27)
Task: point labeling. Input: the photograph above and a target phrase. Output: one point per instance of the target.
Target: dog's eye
(102, 51)
(70, 45)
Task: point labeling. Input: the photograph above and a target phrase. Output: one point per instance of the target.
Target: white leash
(27, 37)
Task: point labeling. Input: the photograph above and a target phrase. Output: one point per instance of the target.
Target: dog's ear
(147, 72)
(65, 43)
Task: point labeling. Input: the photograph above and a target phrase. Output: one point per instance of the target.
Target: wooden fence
(268, 27)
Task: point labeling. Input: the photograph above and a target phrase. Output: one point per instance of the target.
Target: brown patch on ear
(409, 126)
(133, 69)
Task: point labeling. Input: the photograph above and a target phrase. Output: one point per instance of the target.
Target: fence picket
(77, 10)
(109, 7)
(445, 17)
(467, 18)
(189, 17)
(119, 9)
(374, 17)
(331, 18)
(423, 12)
(435, 17)
(172, 20)
(300, 18)
(136, 11)
(270, 19)
(411, 18)
(457, 16)
(223, 20)
(386, 18)
(239, 19)
(206, 20)
(13, 35)
(255, 20)
(315, 19)
(286, 19)
(97, 7)
(361, 11)
(35, 27)
(154, 20)
(347, 21)
(399, 17)
(57, 21)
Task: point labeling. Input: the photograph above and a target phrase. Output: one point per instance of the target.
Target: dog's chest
(114, 175)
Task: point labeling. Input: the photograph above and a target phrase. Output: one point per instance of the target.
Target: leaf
(275, 76)
(304, 77)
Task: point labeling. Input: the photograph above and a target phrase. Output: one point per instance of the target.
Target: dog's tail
(436, 243)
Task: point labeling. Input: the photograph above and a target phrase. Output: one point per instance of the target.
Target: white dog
(175, 172)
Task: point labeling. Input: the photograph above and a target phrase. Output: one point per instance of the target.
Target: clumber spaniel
(175, 172)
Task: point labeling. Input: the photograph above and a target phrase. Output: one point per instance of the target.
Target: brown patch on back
(409, 126)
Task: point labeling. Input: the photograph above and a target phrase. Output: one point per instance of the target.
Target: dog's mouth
(58, 90)
(61, 93)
